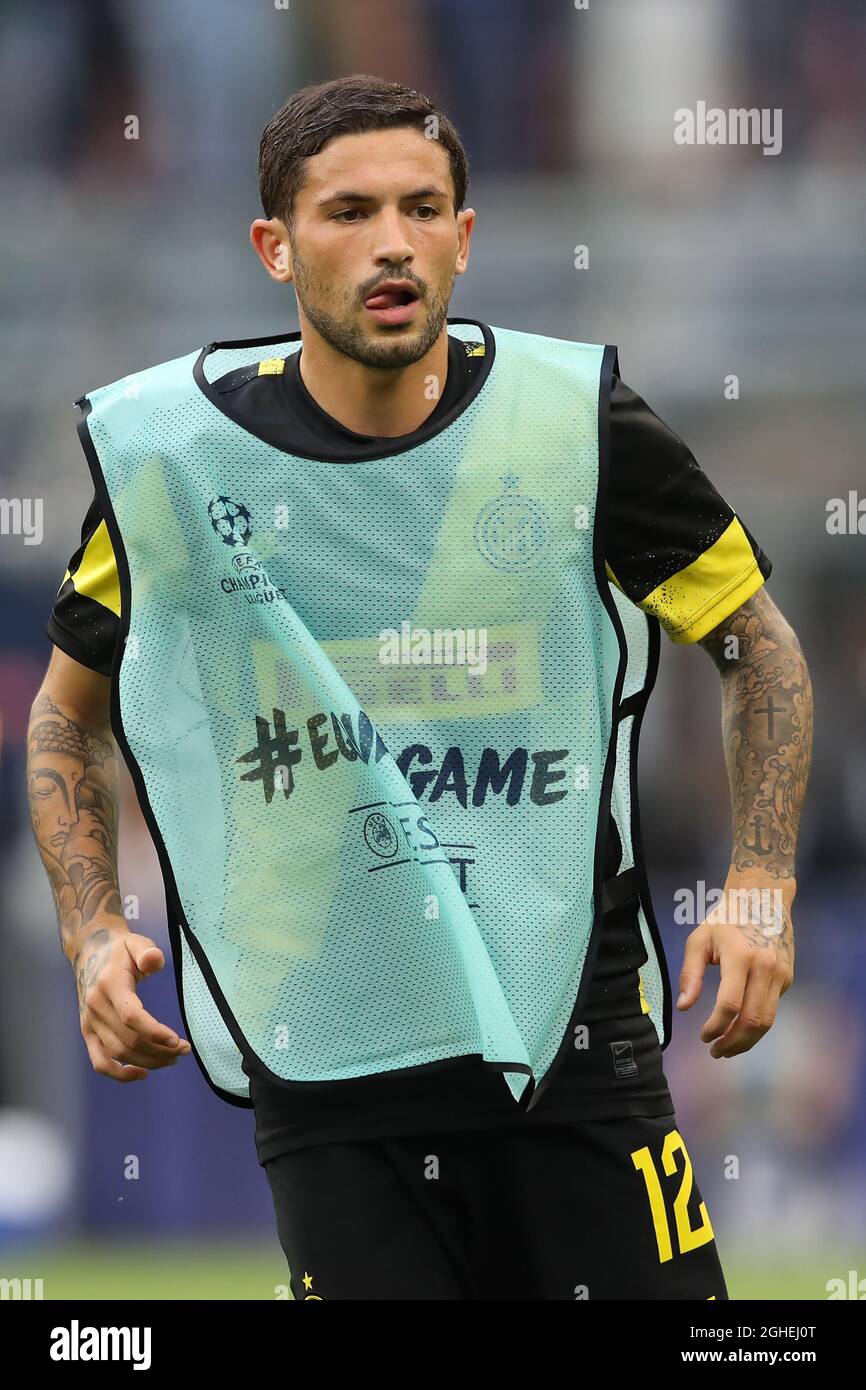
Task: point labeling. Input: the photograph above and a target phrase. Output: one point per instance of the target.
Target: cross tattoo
(770, 709)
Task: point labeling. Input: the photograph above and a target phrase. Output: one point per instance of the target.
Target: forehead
(378, 161)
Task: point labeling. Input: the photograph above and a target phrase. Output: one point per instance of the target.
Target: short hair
(345, 106)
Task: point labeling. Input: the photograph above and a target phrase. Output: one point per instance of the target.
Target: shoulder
(268, 372)
(163, 379)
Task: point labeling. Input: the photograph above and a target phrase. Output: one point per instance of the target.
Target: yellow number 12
(688, 1239)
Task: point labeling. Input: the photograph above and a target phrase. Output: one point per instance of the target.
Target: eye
(347, 212)
(427, 207)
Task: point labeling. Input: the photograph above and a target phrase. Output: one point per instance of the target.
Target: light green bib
(375, 713)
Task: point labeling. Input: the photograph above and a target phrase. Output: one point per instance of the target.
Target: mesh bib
(376, 714)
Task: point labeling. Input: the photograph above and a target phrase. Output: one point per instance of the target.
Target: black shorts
(588, 1210)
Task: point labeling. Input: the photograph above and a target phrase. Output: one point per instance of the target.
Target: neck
(386, 402)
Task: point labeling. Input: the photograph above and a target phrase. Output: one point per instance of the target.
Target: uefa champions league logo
(511, 531)
(231, 521)
(380, 835)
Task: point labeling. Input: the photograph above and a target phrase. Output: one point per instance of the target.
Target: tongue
(388, 299)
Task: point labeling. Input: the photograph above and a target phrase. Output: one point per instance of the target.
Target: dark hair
(316, 115)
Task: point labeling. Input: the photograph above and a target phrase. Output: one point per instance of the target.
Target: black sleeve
(85, 619)
(673, 544)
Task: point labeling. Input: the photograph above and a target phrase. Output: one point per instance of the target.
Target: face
(55, 779)
(375, 207)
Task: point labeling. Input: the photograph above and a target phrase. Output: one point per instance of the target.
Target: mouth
(393, 303)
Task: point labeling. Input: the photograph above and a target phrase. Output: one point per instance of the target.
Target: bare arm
(767, 733)
(72, 786)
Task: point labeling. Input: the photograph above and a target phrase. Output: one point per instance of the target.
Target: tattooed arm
(767, 731)
(72, 785)
(767, 725)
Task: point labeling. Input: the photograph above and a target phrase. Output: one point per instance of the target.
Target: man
(373, 612)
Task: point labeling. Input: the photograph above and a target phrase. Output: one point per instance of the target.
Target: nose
(392, 244)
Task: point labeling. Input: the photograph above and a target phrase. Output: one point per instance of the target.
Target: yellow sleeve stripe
(644, 1006)
(694, 601)
(96, 576)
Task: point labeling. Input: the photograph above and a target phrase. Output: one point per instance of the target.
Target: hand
(755, 948)
(123, 1040)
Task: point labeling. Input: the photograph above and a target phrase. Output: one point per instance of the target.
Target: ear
(269, 240)
(465, 228)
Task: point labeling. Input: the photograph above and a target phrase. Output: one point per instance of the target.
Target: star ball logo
(231, 521)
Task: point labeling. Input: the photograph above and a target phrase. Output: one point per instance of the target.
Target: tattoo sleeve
(72, 787)
(767, 726)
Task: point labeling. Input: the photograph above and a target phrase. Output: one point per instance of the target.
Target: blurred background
(705, 262)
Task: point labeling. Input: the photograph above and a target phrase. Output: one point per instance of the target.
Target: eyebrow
(349, 196)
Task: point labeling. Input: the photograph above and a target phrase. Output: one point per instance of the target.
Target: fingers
(130, 1016)
(757, 1009)
(695, 959)
(106, 1065)
(114, 1047)
(148, 960)
(123, 1019)
(114, 1004)
(734, 965)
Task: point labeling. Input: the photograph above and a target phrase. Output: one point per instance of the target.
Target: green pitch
(229, 1271)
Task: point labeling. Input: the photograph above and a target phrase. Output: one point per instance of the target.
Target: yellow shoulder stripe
(272, 366)
(644, 1006)
(694, 601)
(96, 576)
(690, 604)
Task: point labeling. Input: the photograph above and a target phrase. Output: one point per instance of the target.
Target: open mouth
(392, 303)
